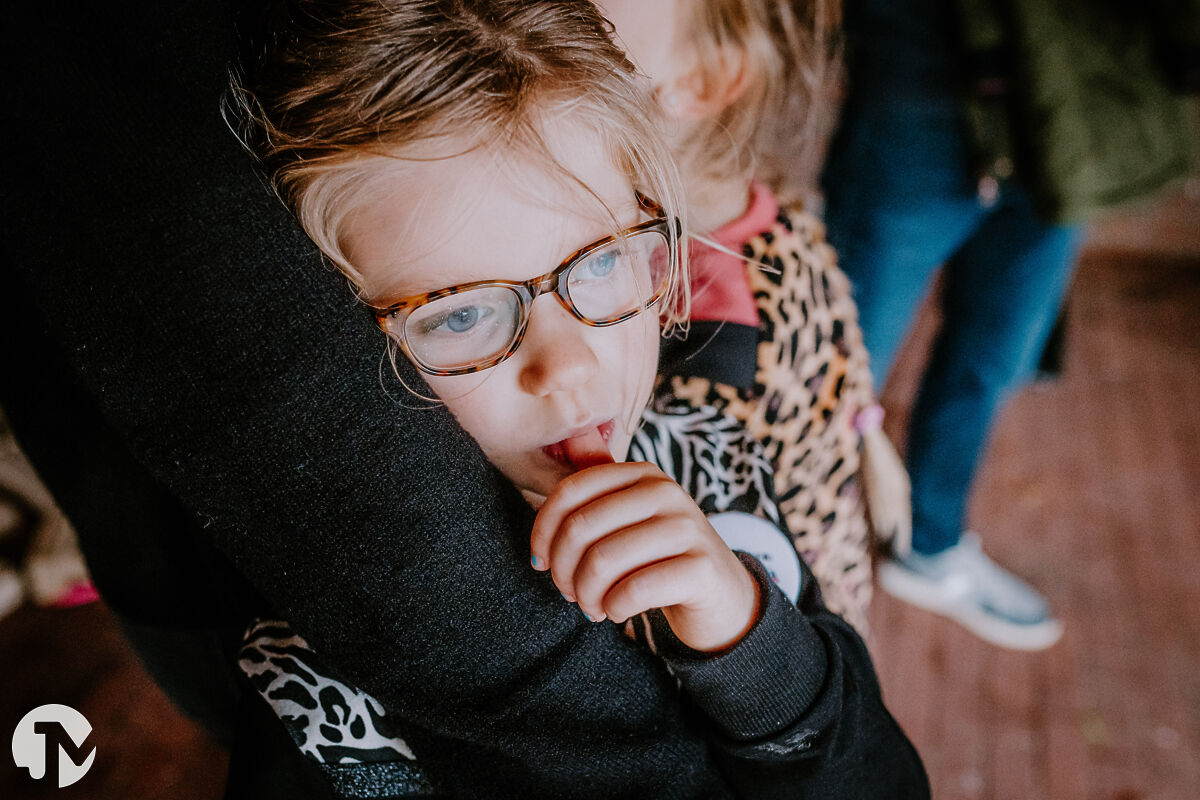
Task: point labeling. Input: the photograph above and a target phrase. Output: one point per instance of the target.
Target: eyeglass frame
(555, 280)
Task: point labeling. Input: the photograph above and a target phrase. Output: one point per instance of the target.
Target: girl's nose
(555, 353)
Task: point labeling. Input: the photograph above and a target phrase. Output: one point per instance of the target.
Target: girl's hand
(620, 539)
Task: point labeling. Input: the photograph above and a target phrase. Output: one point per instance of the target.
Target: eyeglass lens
(474, 327)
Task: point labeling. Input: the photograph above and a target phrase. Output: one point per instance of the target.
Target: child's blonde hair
(341, 85)
(776, 129)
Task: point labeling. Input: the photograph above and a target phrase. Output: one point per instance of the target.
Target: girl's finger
(659, 585)
(574, 491)
(612, 558)
(602, 517)
(707, 607)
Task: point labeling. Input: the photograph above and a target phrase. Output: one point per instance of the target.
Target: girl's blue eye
(463, 319)
(600, 264)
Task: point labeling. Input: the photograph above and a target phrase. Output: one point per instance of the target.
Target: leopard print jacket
(811, 378)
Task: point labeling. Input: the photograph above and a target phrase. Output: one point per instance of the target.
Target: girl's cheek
(481, 412)
(652, 336)
(638, 362)
(456, 387)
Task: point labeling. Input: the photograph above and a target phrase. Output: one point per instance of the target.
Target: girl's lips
(583, 448)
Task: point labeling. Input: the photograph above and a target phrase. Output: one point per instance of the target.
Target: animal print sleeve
(710, 454)
(344, 730)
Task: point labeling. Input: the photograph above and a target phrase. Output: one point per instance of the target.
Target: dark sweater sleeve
(794, 708)
(236, 372)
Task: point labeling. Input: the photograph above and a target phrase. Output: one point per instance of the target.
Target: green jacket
(1076, 97)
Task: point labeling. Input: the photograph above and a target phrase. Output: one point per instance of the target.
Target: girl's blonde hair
(777, 128)
(339, 85)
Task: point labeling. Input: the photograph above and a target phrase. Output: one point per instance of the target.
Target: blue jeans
(900, 203)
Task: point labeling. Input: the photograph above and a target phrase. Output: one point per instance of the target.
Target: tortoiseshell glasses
(474, 326)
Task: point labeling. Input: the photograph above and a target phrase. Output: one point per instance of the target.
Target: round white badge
(761, 539)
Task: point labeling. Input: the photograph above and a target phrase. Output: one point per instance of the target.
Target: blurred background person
(980, 136)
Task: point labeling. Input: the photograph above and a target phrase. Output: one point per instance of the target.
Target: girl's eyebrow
(392, 294)
(627, 215)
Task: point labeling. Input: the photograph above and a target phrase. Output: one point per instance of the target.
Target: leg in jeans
(1002, 294)
(900, 201)
(898, 205)
(891, 267)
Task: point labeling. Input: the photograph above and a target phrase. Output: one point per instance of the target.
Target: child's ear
(707, 89)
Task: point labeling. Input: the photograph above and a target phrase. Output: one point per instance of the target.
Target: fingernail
(593, 619)
(535, 561)
(567, 597)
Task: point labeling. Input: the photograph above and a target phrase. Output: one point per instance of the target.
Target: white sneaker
(962, 583)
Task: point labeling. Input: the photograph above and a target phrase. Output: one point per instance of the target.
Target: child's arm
(788, 692)
(794, 710)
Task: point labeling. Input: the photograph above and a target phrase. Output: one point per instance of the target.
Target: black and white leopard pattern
(711, 455)
(342, 728)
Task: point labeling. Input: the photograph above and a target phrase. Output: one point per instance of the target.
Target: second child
(773, 340)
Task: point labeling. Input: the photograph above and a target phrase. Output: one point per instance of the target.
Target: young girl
(774, 340)
(488, 176)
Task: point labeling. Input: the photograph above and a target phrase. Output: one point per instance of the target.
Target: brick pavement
(1091, 490)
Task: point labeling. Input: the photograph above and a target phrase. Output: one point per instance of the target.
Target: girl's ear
(708, 88)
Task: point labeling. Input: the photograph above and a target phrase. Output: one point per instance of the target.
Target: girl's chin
(537, 490)
(533, 498)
